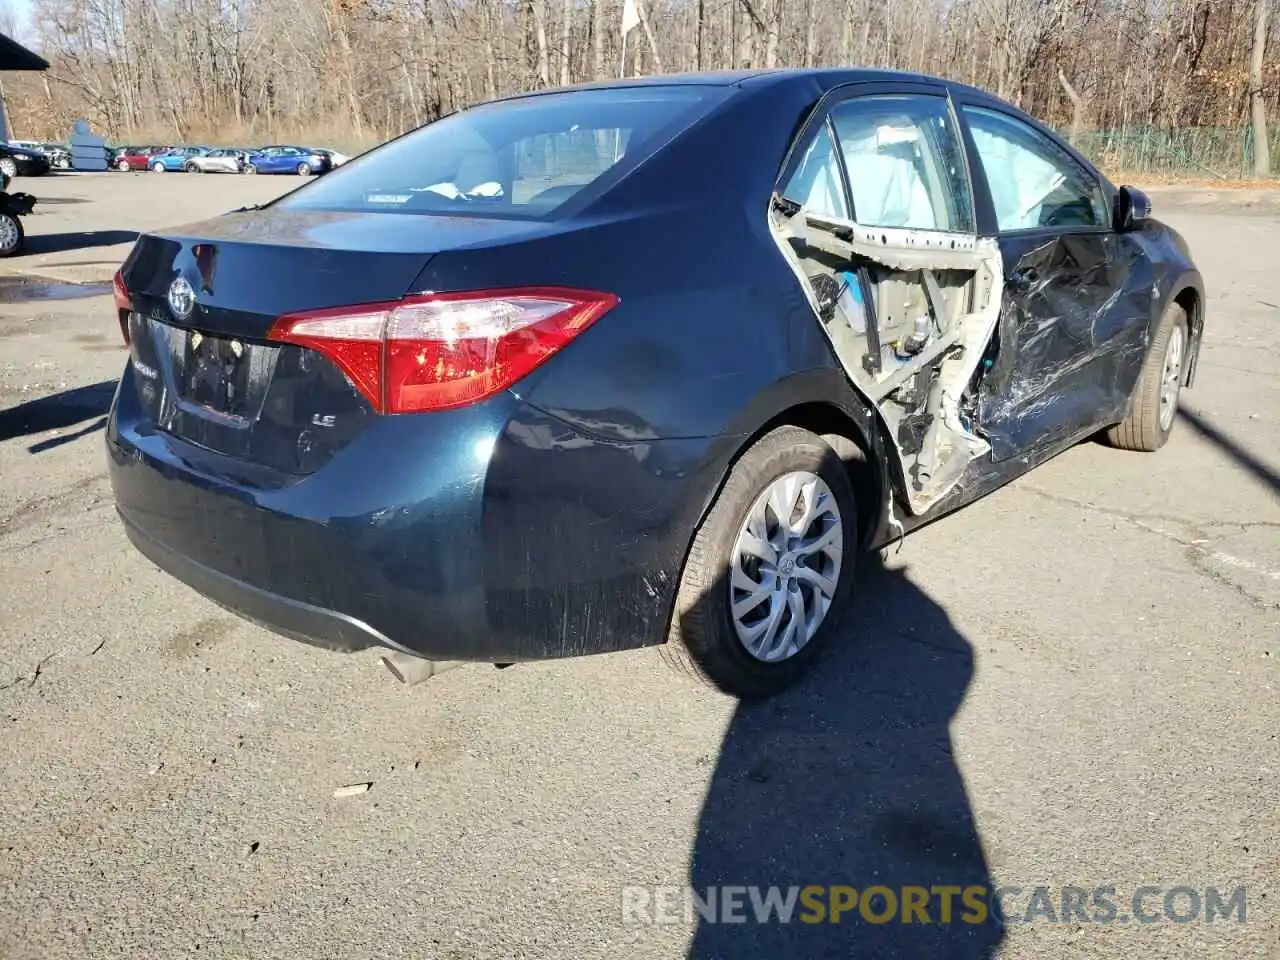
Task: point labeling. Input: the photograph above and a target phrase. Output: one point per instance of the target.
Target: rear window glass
(519, 158)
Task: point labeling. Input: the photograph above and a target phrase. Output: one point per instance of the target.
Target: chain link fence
(1224, 153)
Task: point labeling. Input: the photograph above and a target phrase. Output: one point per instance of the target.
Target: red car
(136, 158)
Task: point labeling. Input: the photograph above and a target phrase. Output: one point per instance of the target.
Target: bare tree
(1178, 82)
(1257, 106)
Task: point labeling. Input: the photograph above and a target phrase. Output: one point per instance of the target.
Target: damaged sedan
(644, 363)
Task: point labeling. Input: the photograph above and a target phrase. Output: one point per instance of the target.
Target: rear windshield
(518, 158)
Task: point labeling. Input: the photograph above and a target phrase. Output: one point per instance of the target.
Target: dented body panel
(1074, 325)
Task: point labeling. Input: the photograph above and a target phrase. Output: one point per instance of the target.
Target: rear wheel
(11, 235)
(8, 167)
(304, 169)
(769, 568)
(191, 168)
(1153, 407)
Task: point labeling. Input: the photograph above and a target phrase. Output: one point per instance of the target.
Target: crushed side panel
(1071, 340)
(909, 314)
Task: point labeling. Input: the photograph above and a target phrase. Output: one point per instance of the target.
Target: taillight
(440, 351)
(120, 293)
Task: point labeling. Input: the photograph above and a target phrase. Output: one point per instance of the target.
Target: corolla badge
(182, 299)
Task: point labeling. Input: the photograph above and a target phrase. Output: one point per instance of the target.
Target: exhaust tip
(411, 670)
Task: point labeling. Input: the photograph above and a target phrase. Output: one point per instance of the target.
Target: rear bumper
(492, 533)
(290, 618)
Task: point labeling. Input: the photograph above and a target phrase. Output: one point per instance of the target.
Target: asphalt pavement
(1071, 684)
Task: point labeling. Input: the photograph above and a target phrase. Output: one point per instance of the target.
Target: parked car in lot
(645, 363)
(18, 161)
(135, 157)
(299, 160)
(335, 158)
(59, 155)
(176, 159)
(221, 160)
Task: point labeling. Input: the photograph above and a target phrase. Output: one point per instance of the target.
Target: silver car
(224, 160)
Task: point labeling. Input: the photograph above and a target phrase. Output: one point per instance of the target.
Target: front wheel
(12, 235)
(769, 568)
(191, 168)
(122, 165)
(8, 167)
(157, 168)
(1153, 407)
(250, 168)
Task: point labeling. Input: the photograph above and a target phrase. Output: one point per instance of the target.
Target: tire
(8, 167)
(250, 168)
(304, 169)
(704, 640)
(12, 236)
(122, 165)
(190, 168)
(1153, 407)
(157, 168)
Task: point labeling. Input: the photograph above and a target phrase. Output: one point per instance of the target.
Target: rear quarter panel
(627, 434)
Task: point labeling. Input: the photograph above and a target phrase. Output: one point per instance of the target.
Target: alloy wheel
(785, 566)
(10, 236)
(1171, 377)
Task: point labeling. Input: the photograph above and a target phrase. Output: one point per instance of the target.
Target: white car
(336, 159)
(225, 160)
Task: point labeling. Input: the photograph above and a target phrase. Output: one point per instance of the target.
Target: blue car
(298, 160)
(645, 363)
(175, 160)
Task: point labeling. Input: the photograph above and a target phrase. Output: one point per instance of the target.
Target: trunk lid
(205, 296)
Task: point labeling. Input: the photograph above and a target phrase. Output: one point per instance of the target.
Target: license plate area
(223, 378)
(277, 406)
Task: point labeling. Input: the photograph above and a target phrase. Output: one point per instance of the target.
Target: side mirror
(1132, 209)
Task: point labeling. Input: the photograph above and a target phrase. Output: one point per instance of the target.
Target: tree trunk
(810, 34)
(1257, 107)
(648, 32)
(597, 39)
(1077, 106)
(772, 33)
(539, 10)
(566, 20)
(702, 21)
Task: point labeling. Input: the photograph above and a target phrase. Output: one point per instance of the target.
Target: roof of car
(825, 76)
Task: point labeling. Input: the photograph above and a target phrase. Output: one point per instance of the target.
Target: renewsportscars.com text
(935, 904)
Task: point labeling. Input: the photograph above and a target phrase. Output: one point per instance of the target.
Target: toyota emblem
(182, 299)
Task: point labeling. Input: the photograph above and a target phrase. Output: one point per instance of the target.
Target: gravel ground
(1070, 683)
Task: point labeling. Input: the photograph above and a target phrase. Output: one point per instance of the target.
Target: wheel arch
(848, 437)
(833, 411)
(1189, 296)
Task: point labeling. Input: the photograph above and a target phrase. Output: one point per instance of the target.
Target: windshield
(516, 158)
